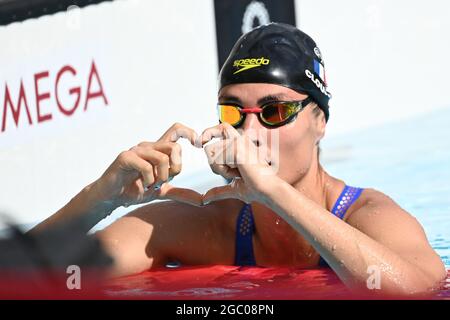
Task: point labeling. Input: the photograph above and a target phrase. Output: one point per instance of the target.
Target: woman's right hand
(141, 174)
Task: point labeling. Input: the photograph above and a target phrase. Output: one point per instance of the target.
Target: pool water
(229, 282)
(238, 283)
(408, 160)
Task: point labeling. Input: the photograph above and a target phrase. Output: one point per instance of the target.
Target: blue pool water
(409, 161)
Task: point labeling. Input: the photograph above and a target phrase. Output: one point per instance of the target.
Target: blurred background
(80, 81)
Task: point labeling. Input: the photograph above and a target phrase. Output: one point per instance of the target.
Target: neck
(273, 233)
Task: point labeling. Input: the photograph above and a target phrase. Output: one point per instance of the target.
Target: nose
(252, 128)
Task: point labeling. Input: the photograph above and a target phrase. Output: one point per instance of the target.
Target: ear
(320, 125)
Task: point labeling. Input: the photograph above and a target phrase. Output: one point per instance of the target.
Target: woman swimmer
(297, 215)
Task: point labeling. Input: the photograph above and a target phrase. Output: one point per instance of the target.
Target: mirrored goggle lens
(229, 114)
(278, 112)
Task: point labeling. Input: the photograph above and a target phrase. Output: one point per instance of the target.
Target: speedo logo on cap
(245, 64)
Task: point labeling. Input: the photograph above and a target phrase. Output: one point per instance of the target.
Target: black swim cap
(280, 54)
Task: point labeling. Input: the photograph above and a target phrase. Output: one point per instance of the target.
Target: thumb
(169, 192)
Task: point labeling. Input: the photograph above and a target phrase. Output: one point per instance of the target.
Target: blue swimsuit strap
(244, 238)
(245, 226)
(347, 197)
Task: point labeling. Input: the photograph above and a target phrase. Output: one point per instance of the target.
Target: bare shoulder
(377, 214)
(158, 232)
(381, 218)
(179, 228)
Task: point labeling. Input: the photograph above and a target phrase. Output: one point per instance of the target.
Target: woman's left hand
(236, 157)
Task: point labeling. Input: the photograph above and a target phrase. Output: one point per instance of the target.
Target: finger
(242, 151)
(173, 150)
(139, 184)
(184, 195)
(215, 153)
(221, 152)
(129, 160)
(177, 131)
(209, 134)
(220, 160)
(223, 130)
(159, 160)
(225, 171)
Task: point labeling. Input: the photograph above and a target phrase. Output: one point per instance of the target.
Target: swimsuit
(245, 226)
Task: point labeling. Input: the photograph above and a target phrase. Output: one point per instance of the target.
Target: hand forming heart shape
(142, 173)
(233, 157)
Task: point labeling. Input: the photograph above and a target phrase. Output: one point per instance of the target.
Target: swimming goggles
(271, 114)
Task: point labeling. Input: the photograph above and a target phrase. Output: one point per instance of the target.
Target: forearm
(348, 251)
(86, 205)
